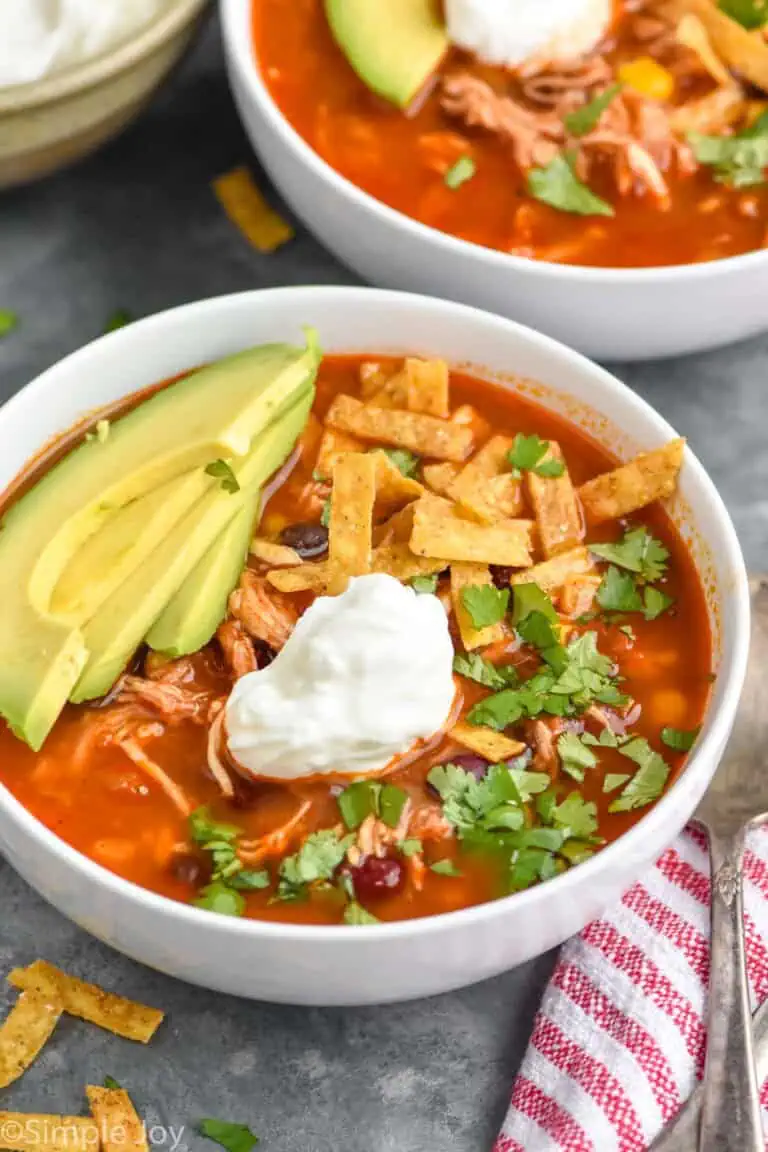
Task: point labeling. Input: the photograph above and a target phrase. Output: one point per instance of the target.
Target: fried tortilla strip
(373, 377)
(277, 555)
(692, 34)
(334, 444)
(306, 578)
(710, 114)
(440, 477)
(400, 562)
(553, 574)
(120, 1126)
(442, 534)
(485, 488)
(425, 435)
(469, 417)
(245, 206)
(350, 527)
(494, 746)
(27, 1029)
(114, 1013)
(33, 1132)
(392, 394)
(650, 476)
(555, 507)
(472, 576)
(393, 489)
(744, 51)
(397, 529)
(428, 387)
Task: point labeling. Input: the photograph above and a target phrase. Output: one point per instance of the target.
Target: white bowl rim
(204, 311)
(238, 40)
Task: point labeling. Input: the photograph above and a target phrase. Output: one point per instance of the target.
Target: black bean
(309, 540)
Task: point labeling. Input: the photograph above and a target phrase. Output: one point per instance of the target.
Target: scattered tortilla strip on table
(440, 477)
(427, 384)
(306, 578)
(650, 476)
(114, 1013)
(553, 574)
(350, 526)
(397, 529)
(495, 746)
(35, 1132)
(472, 576)
(278, 555)
(400, 562)
(425, 435)
(27, 1029)
(393, 489)
(120, 1126)
(441, 534)
(746, 52)
(486, 488)
(334, 444)
(246, 207)
(555, 507)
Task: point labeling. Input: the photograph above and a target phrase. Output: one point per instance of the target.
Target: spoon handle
(730, 1111)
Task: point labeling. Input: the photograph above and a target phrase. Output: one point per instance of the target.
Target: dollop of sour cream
(514, 32)
(40, 37)
(363, 677)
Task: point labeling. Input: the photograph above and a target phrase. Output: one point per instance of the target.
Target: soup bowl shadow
(608, 313)
(393, 961)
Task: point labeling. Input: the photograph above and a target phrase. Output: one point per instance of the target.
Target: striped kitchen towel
(619, 1040)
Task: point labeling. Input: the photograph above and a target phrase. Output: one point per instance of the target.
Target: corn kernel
(647, 77)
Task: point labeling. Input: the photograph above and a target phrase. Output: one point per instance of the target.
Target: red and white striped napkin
(620, 1037)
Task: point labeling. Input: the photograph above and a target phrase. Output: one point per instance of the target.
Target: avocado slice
(213, 413)
(120, 625)
(191, 618)
(393, 45)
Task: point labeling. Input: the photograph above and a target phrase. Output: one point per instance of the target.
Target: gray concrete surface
(137, 228)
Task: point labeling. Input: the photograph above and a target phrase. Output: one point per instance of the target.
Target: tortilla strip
(710, 114)
(350, 526)
(469, 417)
(427, 383)
(440, 534)
(494, 746)
(397, 529)
(400, 562)
(333, 445)
(426, 435)
(650, 476)
(307, 578)
(114, 1013)
(373, 377)
(393, 489)
(439, 477)
(392, 394)
(486, 488)
(27, 1029)
(119, 1124)
(553, 574)
(35, 1132)
(555, 507)
(277, 555)
(744, 51)
(692, 34)
(468, 576)
(245, 206)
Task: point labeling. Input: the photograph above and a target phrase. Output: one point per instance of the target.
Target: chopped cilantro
(220, 470)
(614, 780)
(228, 876)
(528, 866)
(485, 604)
(405, 461)
(607, 739)
(749, 13)
(354, 913)
(495, 802)
(392, 800)
(527, 455)
(233, 1137)
(584, 119)
(576, 816)
(530, 598)
(638, 552)
(576, 851)
(648, 782)
(618, 592)
(368, 798)
(575, 756)
(325, 515)
(458, 174)
(110, 1082)
(218, 896)
(678, 739)
(542, 635)
(558, 185)
(119, 319)
(445, 868)
(203, 828)
(8, 321)
(476, 667)
(410, 847)
(655, 602)
(317, 860)
(739, 160)
(250, 880)
(424, 585)
(628, 631)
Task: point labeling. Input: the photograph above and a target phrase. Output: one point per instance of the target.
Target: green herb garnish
(354, 913)
(576, 816)
(739, 160)
(614, 780)
(584, 119)
(648, 782)
(315, 862)
(749, 13)
(410, 847)
(8, 321)
(325, 515)
(369, 798)
(425, 585)
(530, 598)
(493, 803)
(559, 186)
(655, 602)
(220, 470)
(637, 551)
(220, 897)
(527, 455)
(405, 461)
(618, 592)
(476, 667)
(110, 1082)
(575, 756)
(678, 739)
(445, 868)
(458, 174)
(485, 604)
(228, 875)
(233, 1137)
(119, 319)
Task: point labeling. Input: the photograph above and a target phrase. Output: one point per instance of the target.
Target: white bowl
(608, 313)
(341, 965)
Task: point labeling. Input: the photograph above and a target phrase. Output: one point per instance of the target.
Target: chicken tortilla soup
(594, 132)
(344, 639)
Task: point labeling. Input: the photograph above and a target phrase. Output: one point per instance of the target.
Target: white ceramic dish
(610, 314)
(339, 965)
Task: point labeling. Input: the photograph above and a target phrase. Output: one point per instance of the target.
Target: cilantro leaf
(354, 913)
(220, 470)
(584, 119)
(558, 185)
(392, 800)
(749, 13)
(424, 585)
(445, 868)
(655, 602)
(495, 802)
(317, 860)
(614, 780)
(550, 469)
(358, 801)
(8, 321)
(203, 828)
(119, 319)
(527, 455)
(577, 816)
(222, 898)
(405, 461)
(541, 634)
(638, 552)
(618, 592)
(411, 846)
(529, 866)
(110, 1082)
(739, 160)
(485, 604)
(648, 782)
(458, 174)
(678, 739)
(575, 757)
(628, 631)
(250, 880)
(530, 598)
(476, 667)
(233, 1137)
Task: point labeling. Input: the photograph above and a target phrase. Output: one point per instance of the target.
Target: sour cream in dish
(512, 32)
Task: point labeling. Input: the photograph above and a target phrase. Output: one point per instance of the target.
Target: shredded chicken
(374, 836)
(429, 823)
(570, 83)
(215, 763)
(136, 753)
(237, 648)
(262, 611)
(535, 137)
(578, 595)
(159, 667)
(277, 842)
(174, 704)
(545, 757)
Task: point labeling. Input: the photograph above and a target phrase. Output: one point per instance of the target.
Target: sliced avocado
(213, 413)
(118, 628)
(195, 612)
(393, 45)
